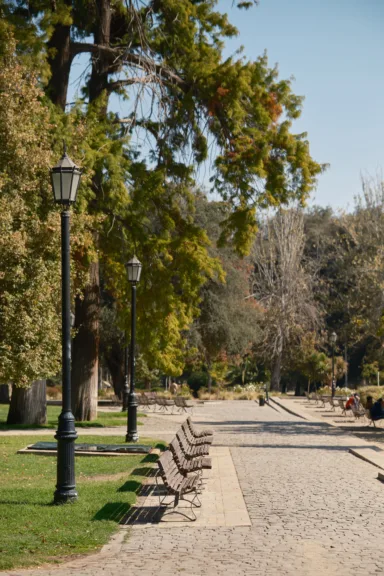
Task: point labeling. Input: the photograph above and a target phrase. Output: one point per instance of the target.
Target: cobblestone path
(315, 509)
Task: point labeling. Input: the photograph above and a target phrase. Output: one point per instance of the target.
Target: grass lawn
(33, 530)
(103, 419)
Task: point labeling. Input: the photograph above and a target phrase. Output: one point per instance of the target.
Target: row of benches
(337, 402)
(154, 401)
(181, 467)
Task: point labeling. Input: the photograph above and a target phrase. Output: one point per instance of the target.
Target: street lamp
(333, 342)
(134, 271)
(65, 178)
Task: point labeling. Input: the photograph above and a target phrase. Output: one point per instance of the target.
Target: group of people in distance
(376, 409)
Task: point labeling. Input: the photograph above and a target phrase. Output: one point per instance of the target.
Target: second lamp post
(333, 342)
(134, 272)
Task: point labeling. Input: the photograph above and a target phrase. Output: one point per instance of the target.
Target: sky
(334, 49)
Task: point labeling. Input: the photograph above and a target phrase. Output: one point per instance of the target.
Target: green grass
(103, 419)
(33, 530)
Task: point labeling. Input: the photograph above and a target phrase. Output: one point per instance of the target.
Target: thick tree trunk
(60, 61)
(4, 394)
(276, 373)
(86, 343)
(28, 405)
(101, 63)
(85, 356)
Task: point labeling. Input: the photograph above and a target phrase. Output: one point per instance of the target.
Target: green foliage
(376, 392)
(197, 380)
(29, 233)
(108, 419)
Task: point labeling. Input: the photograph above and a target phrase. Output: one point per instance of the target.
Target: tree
(29, 236)
(28, 405)
(282, 286)
(227, 325)
(168, 54)
(29, 250)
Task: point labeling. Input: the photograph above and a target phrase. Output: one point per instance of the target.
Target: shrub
(197, 380)
(184, 390)
(375, 391)
(54, 392)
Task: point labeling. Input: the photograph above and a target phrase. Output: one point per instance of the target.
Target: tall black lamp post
(65, 177)
(134, 272)
(333, 342)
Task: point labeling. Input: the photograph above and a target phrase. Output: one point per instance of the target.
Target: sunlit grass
(104, 419)
(33, 530)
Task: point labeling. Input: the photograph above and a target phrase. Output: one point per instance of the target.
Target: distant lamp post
(134, 271)
(126, 379)
(65, 178)
(333, 342)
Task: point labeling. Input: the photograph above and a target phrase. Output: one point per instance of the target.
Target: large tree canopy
(185, 105)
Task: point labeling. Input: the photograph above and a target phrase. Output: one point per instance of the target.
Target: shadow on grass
(113, 511)
(25, 503)
(130, 486)
(4, 427)
(150, 458)
(144, 471)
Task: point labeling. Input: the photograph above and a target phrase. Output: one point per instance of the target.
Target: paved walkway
(315, 509)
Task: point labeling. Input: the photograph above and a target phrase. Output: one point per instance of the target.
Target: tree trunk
(114, 359)
(28, 405)
(4, 394)
(60, 61)
(209, 383)
(309, 385)
(276, 373)
(101, 62)
(86, 343)
(85, 357)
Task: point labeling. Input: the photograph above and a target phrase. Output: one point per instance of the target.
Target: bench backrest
(169, 470)
(178, 455)
(185, 447)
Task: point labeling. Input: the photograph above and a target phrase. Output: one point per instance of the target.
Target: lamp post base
(66, 497)
(132, 434)
(65, 436)
(132, 437)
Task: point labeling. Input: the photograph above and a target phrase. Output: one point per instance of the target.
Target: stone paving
(315, 509)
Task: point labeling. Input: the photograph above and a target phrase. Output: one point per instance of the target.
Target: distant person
(377, 410)
(173, 388)
(354, 401)
(369, 403)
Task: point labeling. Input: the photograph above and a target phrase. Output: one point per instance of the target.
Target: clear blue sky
(335, 51)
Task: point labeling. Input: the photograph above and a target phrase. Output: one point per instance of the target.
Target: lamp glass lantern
(333, 338)
(134, 270)
(65, 177)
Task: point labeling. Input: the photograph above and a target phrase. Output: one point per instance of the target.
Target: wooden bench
(183, 404)
(197, 464)
(177, 485)
(165, 403)
(342, 406)
(192, 441)
(197, 433)
(358, 412)
(188, 450)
